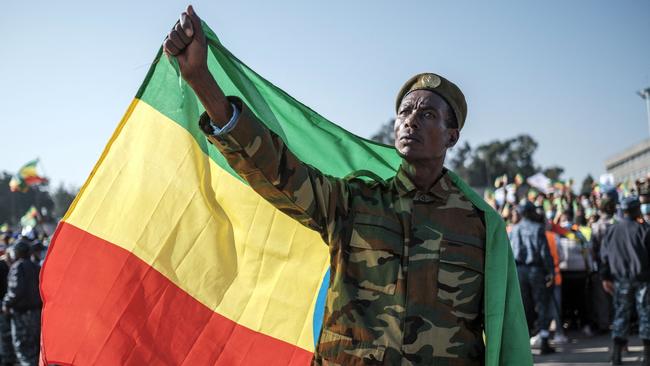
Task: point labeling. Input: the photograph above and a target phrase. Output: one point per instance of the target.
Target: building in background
(631, 164)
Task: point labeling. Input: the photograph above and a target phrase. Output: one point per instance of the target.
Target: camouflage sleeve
(263, 159)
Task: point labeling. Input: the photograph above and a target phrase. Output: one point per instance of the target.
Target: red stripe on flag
(105, 306)
(34, 180)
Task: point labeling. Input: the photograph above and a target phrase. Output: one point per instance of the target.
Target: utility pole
(645, 94)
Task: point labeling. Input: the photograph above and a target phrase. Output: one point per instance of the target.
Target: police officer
(601, 300)
(407, 255)
(625, 255)
(23, 302)
(534, 267)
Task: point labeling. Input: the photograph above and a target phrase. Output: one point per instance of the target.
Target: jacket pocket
(373, 256)
(337, 349)
(460, 277)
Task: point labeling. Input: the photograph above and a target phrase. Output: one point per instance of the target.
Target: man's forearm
(212, 97)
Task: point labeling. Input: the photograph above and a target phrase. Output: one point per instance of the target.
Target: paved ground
(589, 351)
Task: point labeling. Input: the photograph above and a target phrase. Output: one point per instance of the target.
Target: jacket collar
(404, 185)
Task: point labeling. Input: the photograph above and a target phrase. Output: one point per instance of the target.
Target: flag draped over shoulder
(166, 256)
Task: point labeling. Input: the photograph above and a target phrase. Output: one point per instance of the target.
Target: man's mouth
(409, 139)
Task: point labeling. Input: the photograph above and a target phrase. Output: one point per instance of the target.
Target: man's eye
(428, 115)
(404, 112)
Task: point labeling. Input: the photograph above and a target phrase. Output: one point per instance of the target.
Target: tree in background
(386, 133)
(63, 198)
(587, 185)
(553, 173)
(13, 205)
(466, 164)
(482, 165)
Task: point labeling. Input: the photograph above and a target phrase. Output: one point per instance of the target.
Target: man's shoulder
(471, 195)
(366, 178)
(621, 227)
(627, 224)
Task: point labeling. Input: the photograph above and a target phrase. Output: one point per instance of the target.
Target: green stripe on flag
(314, 139)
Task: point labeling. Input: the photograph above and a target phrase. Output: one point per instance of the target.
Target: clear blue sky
(564, 72)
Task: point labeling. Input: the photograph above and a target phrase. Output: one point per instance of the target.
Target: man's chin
(408, 154)
(414, 156)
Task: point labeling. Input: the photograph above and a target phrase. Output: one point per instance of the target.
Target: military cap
(630, 203)
(441, 86)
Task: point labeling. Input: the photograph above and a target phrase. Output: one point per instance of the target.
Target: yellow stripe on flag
(159, 196)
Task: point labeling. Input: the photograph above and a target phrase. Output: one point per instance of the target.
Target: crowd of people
(582, 260)
(20, 320)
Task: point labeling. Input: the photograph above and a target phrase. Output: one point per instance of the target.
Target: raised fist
(187, 43)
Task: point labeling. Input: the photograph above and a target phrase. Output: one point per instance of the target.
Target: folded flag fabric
(166, 256)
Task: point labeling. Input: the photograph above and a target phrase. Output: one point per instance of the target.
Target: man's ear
(453, 135)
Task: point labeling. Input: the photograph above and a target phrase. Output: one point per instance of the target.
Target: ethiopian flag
(30, 218)
(26, 177)
(166, 256)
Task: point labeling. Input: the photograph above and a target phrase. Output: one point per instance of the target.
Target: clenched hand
(187, 43)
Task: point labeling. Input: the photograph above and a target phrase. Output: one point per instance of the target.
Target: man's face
(420, 127)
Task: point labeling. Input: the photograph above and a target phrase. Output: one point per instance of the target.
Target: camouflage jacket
(406, 284)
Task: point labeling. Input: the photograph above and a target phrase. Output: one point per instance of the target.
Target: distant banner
(540, 182)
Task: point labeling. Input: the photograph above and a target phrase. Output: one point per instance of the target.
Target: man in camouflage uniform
(625, 270)
(23, 302)
(407, 254)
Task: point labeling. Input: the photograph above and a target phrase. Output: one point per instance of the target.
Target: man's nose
(411, 121)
